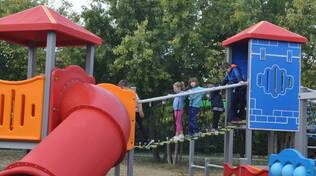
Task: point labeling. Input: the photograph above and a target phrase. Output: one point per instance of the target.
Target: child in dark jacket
(217, 108)
(236, 110)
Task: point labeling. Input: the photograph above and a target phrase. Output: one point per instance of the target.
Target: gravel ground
(141, 167)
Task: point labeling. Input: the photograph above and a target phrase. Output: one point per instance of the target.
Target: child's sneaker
(175, 138)
(212, 130)
(181, 137)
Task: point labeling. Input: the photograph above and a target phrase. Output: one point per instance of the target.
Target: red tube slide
(89, 142)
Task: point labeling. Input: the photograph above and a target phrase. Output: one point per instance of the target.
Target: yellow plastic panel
(21, 106)
(128, 99)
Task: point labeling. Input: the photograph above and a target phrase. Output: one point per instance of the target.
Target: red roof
(32, 25)
(265, 30)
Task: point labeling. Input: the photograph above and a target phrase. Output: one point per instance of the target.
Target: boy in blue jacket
(236, 111)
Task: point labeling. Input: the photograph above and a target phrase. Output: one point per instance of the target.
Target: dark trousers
(216, 116)
(193, 128)
(237, 105)
(141, 128)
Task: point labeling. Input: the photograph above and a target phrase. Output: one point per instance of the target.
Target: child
(217, 108)
(140, 118)
(178, 104)
(139, 110)
(237, 105)
(194, 105)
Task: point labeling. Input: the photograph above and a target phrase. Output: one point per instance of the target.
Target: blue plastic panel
(274, 85)
(240, 57)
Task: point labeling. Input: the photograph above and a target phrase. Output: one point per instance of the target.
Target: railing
(205, 90)
(207, 164)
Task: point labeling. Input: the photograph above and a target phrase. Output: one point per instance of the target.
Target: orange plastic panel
(128, 99)
(21, 106)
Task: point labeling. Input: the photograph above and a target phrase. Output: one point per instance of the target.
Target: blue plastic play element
(291, 163)
(288, 170)
(274, 72)
(239, 57)
(276, 169)
(300, 171)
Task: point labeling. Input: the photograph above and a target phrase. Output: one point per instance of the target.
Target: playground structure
(244, 170)
(291, 162)
(268, 55)
(70, 123)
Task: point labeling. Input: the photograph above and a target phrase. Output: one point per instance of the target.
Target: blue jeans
(193, 128)
(237, 105)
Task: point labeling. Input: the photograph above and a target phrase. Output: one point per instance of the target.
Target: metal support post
(206, 171)
(90, 59)
(228, 146)
(300, 142)
(271, 142)
(191, 158)
(248, 146)
(229, 136)
(176, 154)
(169, 155)
(49, 66)
(130, 162)
(31, 62)
(117, 170)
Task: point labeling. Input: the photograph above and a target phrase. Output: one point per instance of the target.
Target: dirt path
(159, 169)
(145, 167)
(141, 167)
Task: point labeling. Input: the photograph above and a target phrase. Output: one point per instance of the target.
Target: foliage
(300, 18)
(13, 58)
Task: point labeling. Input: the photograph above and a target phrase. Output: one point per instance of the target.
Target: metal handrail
(308, 89)
(198, 166)
(215, 166)
(205, 90)
(311, 134)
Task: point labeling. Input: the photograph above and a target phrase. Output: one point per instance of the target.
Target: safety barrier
(21, 106)
(205, 90)
(128, 99)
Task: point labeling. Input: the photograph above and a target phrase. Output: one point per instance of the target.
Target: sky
(77, 4)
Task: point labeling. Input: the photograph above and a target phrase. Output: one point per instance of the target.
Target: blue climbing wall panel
(274, 85)
(240, 57)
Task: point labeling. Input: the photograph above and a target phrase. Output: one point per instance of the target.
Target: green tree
(13, 58)
(300, 18)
